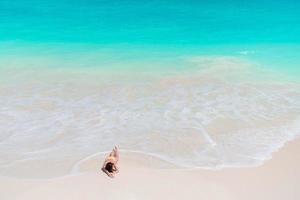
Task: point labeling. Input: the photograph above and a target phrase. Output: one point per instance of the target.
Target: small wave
(224, 112)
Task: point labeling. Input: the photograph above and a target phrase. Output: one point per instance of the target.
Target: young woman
(110, 164)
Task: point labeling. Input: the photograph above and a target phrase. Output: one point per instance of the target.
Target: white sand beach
(278, 179)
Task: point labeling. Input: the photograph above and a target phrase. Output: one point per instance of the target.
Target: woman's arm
(104, 164)
(116, 169)
(111, 175)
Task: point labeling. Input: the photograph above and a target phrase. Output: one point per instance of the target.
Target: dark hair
(109, 167)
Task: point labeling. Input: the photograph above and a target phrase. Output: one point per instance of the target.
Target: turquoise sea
(208, 84)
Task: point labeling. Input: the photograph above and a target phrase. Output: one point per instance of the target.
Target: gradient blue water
(144, 22)
(175, 26)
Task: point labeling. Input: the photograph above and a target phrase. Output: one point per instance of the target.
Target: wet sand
(278, 179)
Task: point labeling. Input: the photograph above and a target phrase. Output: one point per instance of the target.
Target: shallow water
(220, 111)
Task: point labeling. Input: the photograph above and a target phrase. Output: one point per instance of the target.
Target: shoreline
(142, 160)
(276, 179)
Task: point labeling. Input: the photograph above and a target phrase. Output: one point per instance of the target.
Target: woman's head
(110, 167)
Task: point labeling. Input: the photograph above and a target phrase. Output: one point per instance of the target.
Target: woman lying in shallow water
(110, 164)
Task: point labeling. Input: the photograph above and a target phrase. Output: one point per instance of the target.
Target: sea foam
(218, 112)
